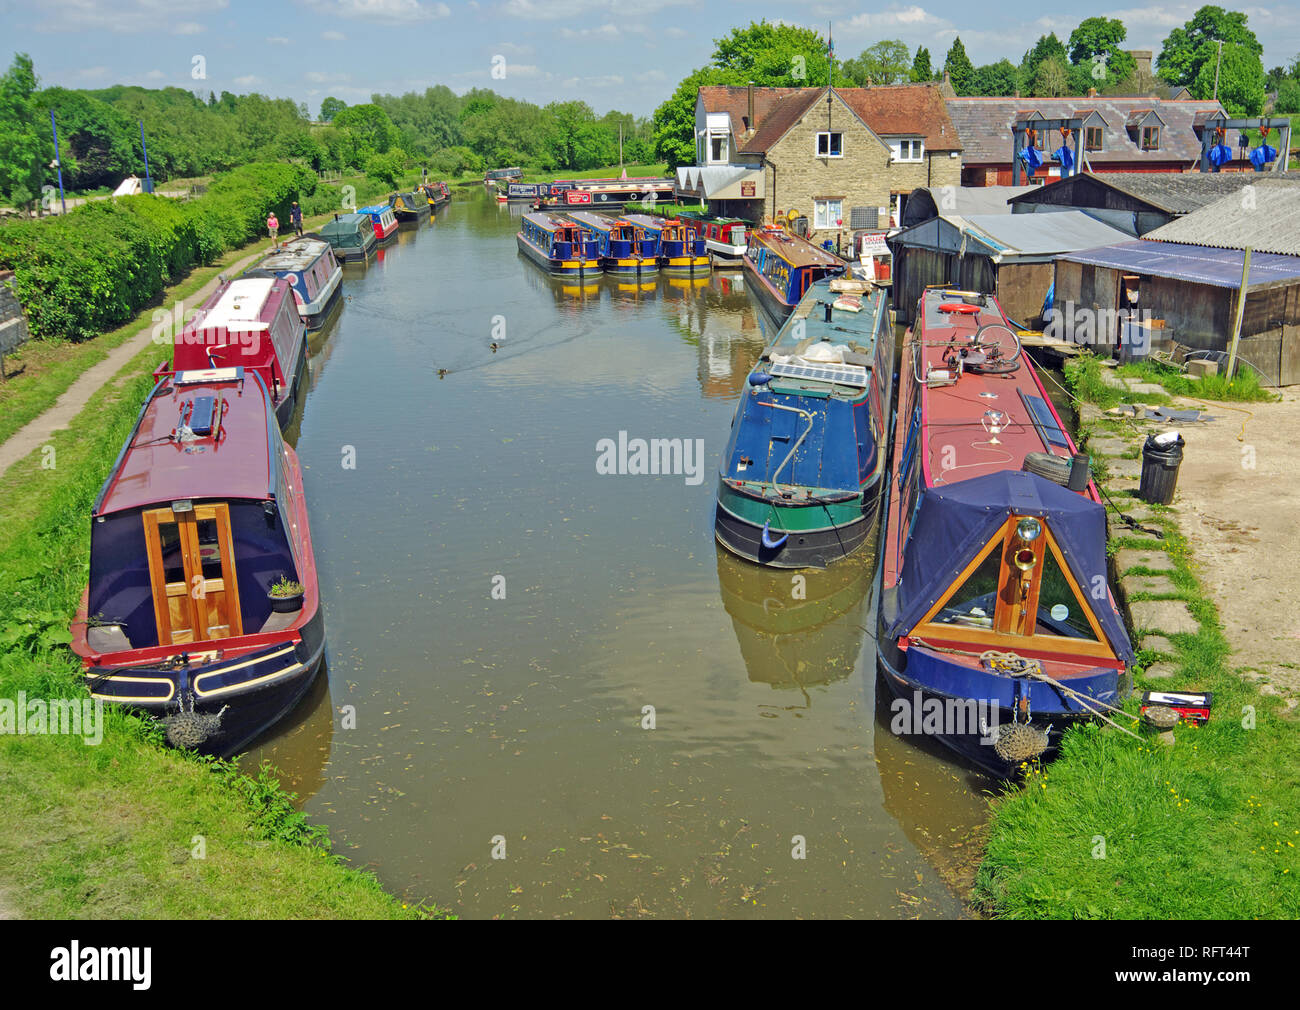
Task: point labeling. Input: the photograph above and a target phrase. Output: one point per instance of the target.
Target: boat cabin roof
(593, 220)
(374, 208)
(647, 221)
(249, 303)
(808, 326)
(298, 255)
(796, 251)
(548, 222)
(345, 224)
(160, 463)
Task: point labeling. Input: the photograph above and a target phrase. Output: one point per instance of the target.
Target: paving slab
(1169, 616)
(1159, 671)
(1152, 585)
(1109, 446)
(1143, 557)
(1146, 387)
(1125, 469)
(1157, 643)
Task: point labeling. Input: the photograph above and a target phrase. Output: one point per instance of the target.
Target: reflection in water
(522, 717)
(301, 746)
(797, 629)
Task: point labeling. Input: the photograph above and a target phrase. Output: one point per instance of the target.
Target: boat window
(974, 602)
(1060, 612)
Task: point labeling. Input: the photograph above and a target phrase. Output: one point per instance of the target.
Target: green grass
(1206, 829)
(112, 830)
(1243, 387)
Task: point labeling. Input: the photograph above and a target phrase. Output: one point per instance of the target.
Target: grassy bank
(1121, 828)
(127, 828)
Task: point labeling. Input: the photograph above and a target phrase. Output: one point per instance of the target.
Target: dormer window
(1092, 138)
(830, 145)
(717, 148)
(1150, 138)
(906, 150)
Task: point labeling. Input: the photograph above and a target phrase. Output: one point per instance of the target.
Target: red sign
(746, 189)
(577, 196)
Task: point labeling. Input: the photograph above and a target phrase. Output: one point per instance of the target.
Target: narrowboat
(558, 245)
(314, 275)
(409, 207)
(801, 476)
(251, 322)
(680, 245)
(383, 220)
(202, 515)
(783, 267)
(726, 237)
(437, 193)
(995, 609)
(351, 236)
(495, 176)
(623, 247)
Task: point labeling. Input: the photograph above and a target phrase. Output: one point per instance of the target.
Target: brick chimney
(750, 98)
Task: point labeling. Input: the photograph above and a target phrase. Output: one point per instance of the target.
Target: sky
(614, 54)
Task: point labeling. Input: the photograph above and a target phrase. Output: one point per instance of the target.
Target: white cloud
(277, 40)
(127, 16)
(333, 36)
(248, 80)
(383, 11)
(155, 75)
(557, 10)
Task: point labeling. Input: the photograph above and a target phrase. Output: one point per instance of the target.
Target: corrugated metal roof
(1218, 267)
(1265, 218)
(714, 178)
(1012, 237)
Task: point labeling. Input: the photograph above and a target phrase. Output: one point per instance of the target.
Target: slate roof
(1172, 192)
(984, 126)
(1266, 223)
(1218, 267)
(912, 110)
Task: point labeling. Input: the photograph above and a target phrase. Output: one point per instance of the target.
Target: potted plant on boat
(285, 595)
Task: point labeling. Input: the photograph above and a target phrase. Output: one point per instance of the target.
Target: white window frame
(915, 147)
(726, 152)
(828, 134)
(823, 219)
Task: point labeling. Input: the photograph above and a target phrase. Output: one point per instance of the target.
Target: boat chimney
(1080, 473)
(828, 311)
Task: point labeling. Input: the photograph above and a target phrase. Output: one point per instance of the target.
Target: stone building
(844, 158)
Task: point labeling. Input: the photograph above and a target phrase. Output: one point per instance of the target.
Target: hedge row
(91, 270)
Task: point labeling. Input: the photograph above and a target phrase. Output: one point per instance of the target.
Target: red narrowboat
(252, 322)
(202, 608)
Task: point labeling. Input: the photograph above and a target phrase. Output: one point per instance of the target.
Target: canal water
(531, 659)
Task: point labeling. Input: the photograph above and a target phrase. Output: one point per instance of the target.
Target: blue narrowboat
(558, 245)
(801, 477)
(314, 275)
(384, 220)
(202, 608)
(410, 206)
(996, 619)
(624, 246)
(681, 247)
(782, 267)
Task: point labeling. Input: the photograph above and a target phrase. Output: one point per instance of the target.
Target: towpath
(39, 430)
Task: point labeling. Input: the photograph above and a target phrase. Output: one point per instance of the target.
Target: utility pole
(1217, 63)
(58, 162)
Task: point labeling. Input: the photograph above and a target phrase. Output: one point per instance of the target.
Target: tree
(1288, 97)
(369, 127)
(885, 62)
(1052, 79)
(921, 70)
(775, 55)
(1187, 49)
(330, 107)
(576, 141)
(999, 78)
(1095, 47)
(1240, 79)
(25, 144)
(387, 168)
(1047, 46)
(960, 70)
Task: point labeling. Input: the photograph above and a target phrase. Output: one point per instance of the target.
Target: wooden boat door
(192, 574)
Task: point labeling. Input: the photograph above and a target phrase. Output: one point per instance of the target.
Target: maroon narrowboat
(202, 608)
(252, 322)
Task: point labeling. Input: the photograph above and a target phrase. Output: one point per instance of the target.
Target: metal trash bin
(1162, 455)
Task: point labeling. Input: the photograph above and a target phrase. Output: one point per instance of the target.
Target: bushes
(92, 269)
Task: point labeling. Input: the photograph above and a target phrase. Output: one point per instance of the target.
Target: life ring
(960, 308)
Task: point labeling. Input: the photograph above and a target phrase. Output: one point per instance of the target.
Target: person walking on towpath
(273, 226)
(295, 218)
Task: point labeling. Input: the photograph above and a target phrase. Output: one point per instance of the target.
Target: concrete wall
(13, 324)
(864, 177)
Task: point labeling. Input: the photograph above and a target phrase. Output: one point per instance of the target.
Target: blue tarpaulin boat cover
(956, 521)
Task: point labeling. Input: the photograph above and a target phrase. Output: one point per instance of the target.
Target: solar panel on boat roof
(845, 375)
